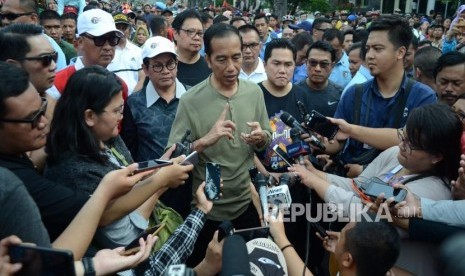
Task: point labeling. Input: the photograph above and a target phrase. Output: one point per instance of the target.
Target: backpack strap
(398, 110)
(357, 103)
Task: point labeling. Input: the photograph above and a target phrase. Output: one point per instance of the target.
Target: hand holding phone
(321, 125)
(192, 158)
(212, 181)
(133, 246)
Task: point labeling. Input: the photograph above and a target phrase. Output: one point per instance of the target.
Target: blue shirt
(376, 110)
(271, 35)
(363, 74)
(340, 74)
(300, 73)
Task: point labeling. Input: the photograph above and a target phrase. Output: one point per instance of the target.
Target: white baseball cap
(96, 22)
(157, 45)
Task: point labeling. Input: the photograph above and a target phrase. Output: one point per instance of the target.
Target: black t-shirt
(19, 215)
(324, 101)
(58, 205)
(192, 74)
(280, 131)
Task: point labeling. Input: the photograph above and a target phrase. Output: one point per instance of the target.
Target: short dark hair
(48, 15)
(302, 39)
(205, 17)
(181, 17)
(220, 19)
(375, 247)
(140, 18)
(425, 42)
(350, 31)
(354, 46)
(157, 23)
(248, 28)
(275, 16)
(414, 42)
(13, 82)
(399, 31)
(428, 128)
(279, 43)
(219, 30)
(320, 20)
(425, 60)
(447, 60)
(438, 26)
(260, 16)
(236, 18)
(360, 35)
(330, 34)
(92, 87)
(13, 40)
(69, 15)
(323, 46)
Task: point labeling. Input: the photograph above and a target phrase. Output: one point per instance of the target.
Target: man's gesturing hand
(221, 128)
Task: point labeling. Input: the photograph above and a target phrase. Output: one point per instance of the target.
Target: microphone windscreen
(235, 257)
(287, 118)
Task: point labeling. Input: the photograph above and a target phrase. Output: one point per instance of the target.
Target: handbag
(171, 219)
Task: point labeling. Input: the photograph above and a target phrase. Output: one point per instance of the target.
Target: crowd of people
(89, 88)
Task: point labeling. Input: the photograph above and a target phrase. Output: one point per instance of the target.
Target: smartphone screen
(152, 164)
(212, 181)
(321, 125)
(41, 261)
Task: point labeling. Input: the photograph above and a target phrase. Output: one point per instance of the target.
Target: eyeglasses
(12, 16)
(405, 142)
(251, 46)
(99, 41)
(322, 30)
(35, 119)
(117, 111)
(315, 63)
(46, 59)
(158, 67)
(192, 32)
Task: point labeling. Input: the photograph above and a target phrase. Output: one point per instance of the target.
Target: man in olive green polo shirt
(225, 117)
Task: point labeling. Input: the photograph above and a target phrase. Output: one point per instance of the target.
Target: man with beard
(449, 75)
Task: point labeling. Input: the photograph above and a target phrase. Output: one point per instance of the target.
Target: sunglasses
(46, 60)
(35, 119)
(12, 16)
(99, 41)
(315, 63)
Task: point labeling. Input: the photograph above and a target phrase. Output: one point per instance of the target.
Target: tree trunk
(280, 7)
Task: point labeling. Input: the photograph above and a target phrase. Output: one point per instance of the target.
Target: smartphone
(374, 188)
(319, 229)
(152, 164)
(253, 233)
(133, 246)
(282, 154)
(321, 125)
(253, 173)
(212, 180)
(192, 158)
(41, 261)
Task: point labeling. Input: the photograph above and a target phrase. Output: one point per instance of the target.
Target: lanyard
(120, 158)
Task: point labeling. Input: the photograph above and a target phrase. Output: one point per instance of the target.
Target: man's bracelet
(88, 264)
(286, 246)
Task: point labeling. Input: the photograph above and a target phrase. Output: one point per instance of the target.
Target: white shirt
(152, 96)
(126, 64)
(257, 76)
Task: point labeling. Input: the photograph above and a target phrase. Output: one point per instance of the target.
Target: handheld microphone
(260, 185)
(280, 196)
(291, 121)
(298, 149)
(235, 261)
